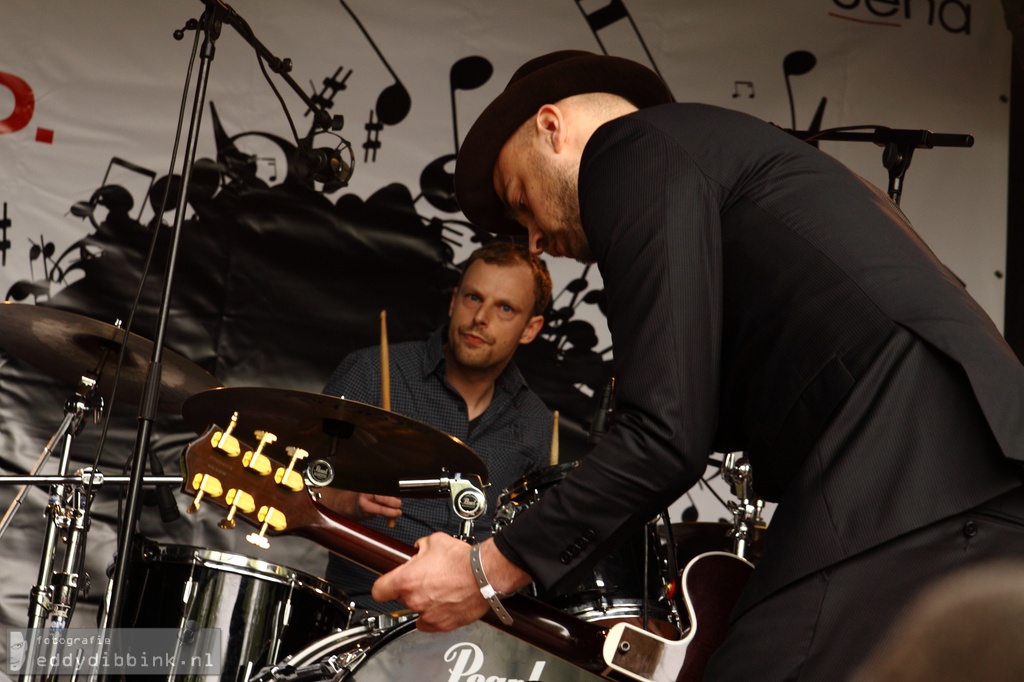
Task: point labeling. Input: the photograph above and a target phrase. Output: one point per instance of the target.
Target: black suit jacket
(762, 297)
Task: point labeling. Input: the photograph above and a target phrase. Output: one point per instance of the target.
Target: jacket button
(970, 529)
(566, 557)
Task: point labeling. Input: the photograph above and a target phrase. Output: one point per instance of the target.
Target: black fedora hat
(542, 80)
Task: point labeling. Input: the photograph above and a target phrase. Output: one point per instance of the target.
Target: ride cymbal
(367, 448)
(67, 346)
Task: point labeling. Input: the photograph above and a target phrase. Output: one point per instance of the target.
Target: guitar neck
(539, 624)
(361, 545)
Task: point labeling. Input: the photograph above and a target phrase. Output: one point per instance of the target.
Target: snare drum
(618, 588)
(264, 611)
(471, 653)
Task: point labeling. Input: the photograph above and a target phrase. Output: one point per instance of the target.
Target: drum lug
(379, 623)
(340, 665)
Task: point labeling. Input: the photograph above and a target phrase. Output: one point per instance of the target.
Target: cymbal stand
(67, 513)
(746, 510)
(75, 410)
(468, 501)
(70, 500)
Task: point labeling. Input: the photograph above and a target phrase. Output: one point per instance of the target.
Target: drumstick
(554, 441)
(385, 373)
(385, 369)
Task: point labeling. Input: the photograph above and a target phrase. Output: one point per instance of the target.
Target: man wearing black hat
(761, 297)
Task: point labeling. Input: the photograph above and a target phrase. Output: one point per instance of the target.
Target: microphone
(327, 166)
(599, 425)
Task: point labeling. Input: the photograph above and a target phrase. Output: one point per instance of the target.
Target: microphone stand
(899, 146)
(211, 21)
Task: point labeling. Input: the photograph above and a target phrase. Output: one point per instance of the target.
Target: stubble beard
(567, 201)
(470, 359)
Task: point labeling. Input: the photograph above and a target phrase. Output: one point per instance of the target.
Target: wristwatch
(486, 590)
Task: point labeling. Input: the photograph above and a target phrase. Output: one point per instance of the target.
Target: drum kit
(277, 623)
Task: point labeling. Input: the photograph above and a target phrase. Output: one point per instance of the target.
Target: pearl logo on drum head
(474, 653)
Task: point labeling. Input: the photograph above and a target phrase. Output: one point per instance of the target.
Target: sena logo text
(953, 16)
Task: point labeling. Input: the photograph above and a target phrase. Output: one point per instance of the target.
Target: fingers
(385, 588)
(380, 505)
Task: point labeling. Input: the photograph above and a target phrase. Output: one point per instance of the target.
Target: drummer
(461, 381)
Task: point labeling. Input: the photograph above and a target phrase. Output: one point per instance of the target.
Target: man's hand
(439, 584)
(360, 506)
(379, 505)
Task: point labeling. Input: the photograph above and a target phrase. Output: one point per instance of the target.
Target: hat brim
(549, 78)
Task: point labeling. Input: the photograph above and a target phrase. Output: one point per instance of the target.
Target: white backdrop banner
(83, 83)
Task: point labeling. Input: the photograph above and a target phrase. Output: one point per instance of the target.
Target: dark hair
(509, 253)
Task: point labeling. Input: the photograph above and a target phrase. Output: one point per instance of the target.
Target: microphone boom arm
(899, 145)
(282, 67)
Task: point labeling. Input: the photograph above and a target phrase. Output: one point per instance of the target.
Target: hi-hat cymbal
(369, 449)
(67, 346)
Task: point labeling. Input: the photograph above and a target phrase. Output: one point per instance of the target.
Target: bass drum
(627, 585)
(472, 653)
(263, 611)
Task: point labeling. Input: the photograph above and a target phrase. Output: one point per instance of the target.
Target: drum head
(474, 652)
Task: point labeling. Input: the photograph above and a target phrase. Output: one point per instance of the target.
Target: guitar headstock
(247, 481)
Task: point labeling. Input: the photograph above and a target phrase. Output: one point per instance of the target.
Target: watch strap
(487, 591)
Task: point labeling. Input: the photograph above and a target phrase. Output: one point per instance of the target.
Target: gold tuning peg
(204, 484)
(238, 499)
(288, 477)
(225, 442)
(257, 461)
(271, 518)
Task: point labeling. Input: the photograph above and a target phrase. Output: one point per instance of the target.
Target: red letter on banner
(24, 103)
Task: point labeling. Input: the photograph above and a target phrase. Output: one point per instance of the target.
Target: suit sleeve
(652, 220)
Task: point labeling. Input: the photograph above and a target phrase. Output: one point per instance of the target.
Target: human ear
(551, 126)
(533, 327)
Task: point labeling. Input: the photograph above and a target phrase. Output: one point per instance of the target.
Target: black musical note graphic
(746, 85)
(393, 103)
(469, 73)
(612, 13)
(43, 250)
(5, 243)
(271, 162)
(127, 174)
(331, 87)
(437, 184)
(797, 64)
(372, 143)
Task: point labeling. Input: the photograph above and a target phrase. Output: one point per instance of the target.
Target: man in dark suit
(763, 298)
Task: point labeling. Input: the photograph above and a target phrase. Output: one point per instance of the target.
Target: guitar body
(711, 583)
(221, 473)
